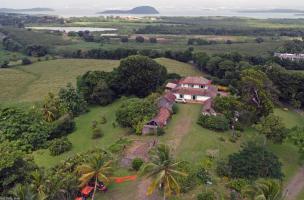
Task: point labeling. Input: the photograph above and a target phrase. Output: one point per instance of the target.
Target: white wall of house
(202, 98)
(190, 97)
(193, 86)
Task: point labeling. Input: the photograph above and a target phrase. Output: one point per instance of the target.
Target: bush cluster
(217, 123)
(59, 146)
(137, 163)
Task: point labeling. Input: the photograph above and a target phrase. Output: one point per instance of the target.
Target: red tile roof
(162, 117)
(195, 80)
(191, 91)
(170, 96)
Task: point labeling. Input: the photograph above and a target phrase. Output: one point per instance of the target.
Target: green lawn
(301, 196)
(81, 138)
(180, 68)
(199, 140)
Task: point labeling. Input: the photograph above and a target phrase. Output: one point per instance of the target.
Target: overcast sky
(160, 4)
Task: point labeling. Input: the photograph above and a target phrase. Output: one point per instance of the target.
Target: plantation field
(33, 82)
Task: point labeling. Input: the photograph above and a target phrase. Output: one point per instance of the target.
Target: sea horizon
(73, 12)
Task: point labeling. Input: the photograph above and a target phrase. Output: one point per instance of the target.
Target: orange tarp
(86, 190)
(124, 179)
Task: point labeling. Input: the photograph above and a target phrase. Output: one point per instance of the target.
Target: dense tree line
(289, 64)
(293, 46)
(19, 20)
(200, 30)
(31, 50)
(119, 53)
(289, 84)
(200, 41)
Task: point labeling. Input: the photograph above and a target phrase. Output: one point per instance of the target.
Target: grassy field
(199, 140)
(33, 82)
(30, 37)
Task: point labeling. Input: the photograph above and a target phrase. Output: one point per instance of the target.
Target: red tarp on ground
(124, 179)
(86, 190)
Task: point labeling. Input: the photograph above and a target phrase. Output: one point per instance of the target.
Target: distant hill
(272, 11)
(11, 10)
(137, 10)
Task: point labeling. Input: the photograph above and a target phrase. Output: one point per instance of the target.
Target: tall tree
(273, 128)
(255, 90)
(98, 169)
(139, 75)
(163, 170)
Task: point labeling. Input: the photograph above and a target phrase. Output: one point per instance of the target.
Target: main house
(193, 89)
(190, 89)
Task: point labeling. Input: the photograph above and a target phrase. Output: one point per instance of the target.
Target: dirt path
(141, 148)
(179, 131)
(295, 186)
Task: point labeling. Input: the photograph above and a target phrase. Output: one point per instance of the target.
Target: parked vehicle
(180, 100)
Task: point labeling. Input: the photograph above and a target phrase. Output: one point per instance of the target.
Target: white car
(180, 100)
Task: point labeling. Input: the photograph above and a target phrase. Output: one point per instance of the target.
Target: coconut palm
(98, 169)
(24, 192)
(38, 183)
(264, 190)
(163, 170)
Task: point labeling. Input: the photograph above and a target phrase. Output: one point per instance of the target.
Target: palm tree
(264, 190)
(98, 169)
(24, 192)
(38, 182)
(163, 170)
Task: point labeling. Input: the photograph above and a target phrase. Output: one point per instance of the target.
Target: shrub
(208, 195)
(94, 124)
(97, 133)
(59, 146)
(124, 39)
(140, 39)
(175, 109)
(153, 40)
(4, 63)
(26, 61)
(203, 175)
(137, 163)
(217, 123)
(63, 126)
(223, 169)
(160, 131)
(187, 183)
(237, 184)
(103, 120)
(119, 145)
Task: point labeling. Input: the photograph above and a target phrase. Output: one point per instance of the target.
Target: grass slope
(81, 138)
(180, 68)
(33, 82)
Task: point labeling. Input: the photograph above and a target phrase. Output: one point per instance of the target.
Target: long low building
(289, 56)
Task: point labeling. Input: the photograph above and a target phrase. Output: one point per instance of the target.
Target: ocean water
(185, 12)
